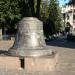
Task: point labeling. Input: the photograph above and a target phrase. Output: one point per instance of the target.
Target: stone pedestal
(30, 64)
(9, 63)
(40, 64)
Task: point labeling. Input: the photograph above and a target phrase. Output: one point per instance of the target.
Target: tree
(71, 2)
(53, 22)
(38, 8)
(9, 13)
(44, 10)
(31, 4)
(24, 8)
(54, 15)
(35, 7)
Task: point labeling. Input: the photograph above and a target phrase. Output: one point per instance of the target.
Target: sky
(62, 2)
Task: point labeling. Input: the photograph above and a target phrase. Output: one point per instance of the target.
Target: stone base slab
(41, 64)
(31, 64)
(8, 62)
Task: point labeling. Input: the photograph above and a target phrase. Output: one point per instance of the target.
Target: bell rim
(31, 53)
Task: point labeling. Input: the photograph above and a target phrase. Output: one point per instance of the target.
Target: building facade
(68, 13)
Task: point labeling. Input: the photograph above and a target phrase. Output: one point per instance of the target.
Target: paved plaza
(66, 58)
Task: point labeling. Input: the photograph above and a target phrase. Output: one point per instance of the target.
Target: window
(73, 16)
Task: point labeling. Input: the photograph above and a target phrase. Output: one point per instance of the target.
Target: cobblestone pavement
(66, 60)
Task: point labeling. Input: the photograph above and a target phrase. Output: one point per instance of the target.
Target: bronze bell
(29, 40)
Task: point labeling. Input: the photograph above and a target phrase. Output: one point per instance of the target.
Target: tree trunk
(31, 4)
(38, 8)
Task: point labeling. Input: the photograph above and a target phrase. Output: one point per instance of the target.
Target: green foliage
(55, 15)
(9, 12)
(44, 10)
(52, 22)
(26, 8)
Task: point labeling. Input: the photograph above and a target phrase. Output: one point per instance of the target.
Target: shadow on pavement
(61, 43)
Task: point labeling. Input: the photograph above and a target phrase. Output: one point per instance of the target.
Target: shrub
(70, 37)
